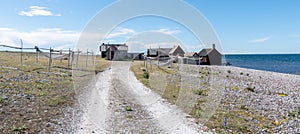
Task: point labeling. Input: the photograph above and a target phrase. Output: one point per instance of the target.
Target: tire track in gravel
(118, 88)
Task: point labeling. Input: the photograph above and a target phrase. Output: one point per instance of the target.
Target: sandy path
(117, 88)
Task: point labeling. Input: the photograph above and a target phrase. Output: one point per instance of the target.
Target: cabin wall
(215, 58)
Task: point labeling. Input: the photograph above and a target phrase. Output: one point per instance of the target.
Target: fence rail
(55, 54)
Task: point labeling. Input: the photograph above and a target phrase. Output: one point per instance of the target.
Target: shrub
(1, 100)
(146, 75)
(201, 92)
(198, 92)
(20, 128)
(229, 71)
(241, 73)
(250, 89)
(128, 108)
(243, 107)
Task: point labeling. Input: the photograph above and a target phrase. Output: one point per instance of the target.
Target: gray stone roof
(191, 54)
(205, 52)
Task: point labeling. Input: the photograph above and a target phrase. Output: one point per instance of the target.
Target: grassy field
(34, 100)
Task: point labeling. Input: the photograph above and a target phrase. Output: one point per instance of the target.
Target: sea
(282, 63)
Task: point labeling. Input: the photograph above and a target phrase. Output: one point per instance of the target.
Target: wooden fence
(70, 55)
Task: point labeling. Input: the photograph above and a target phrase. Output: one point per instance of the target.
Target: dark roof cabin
(192, 55)
(210, 56)
(165, 52)
(176, 51)
(114, 51)
(158, 52)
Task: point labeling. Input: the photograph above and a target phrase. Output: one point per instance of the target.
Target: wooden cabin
(165, 52)
(114, 51)
(210, 56)
(176, 51)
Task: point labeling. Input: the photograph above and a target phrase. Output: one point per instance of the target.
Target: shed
(114, 51)
(210, 56)
(176, 51)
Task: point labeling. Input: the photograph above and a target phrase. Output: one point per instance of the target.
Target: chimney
(213, 46)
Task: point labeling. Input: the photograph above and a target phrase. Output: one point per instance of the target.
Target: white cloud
(167, 31)
(260, 40)
(37, 11)
(55, 37)
(121, 32)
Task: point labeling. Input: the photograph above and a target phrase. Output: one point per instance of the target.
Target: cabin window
(204, 59)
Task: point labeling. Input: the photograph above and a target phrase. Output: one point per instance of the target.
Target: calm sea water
(283, 63)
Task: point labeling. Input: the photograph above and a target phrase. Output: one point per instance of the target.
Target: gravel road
(119, 103)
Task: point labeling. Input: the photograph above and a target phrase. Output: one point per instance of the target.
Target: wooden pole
(21, 51)
(93, 58)
(144, 62)
(77, 59)
(87, 54)
(69, 58)
(60, 52)
(72, 57)
(37, 55)
(50, 60)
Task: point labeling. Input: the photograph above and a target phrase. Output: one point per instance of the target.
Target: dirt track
(105, 107)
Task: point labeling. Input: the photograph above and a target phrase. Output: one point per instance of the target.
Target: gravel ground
(267, 101)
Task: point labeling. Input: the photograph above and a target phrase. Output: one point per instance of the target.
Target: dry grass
(31, 97)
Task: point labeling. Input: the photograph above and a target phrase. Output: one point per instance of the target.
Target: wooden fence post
(77, 59)
(21, 51)
(69, 58)
(60, 52)
(93, 58)
(87, 54)
(37, 54)
(50, 60)
(72, 57)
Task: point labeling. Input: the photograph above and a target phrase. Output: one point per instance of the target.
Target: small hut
(210, 56)
(176, 51)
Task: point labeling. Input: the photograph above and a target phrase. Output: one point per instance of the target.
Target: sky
(253, 26)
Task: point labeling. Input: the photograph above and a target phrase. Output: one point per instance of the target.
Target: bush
(250, 89)
(128, 108)
(229, 71)
(198, 92)
(146, 75)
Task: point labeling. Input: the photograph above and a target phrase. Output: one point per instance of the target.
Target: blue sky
(253, 26)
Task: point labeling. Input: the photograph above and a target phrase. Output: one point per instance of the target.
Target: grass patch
(1, 99)
(36, 92)
(18, 129)
(250, 89)
(128, 108)
(282, 94)
(56, 101)
(201, 92)
(234, 88)
(146, 75)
